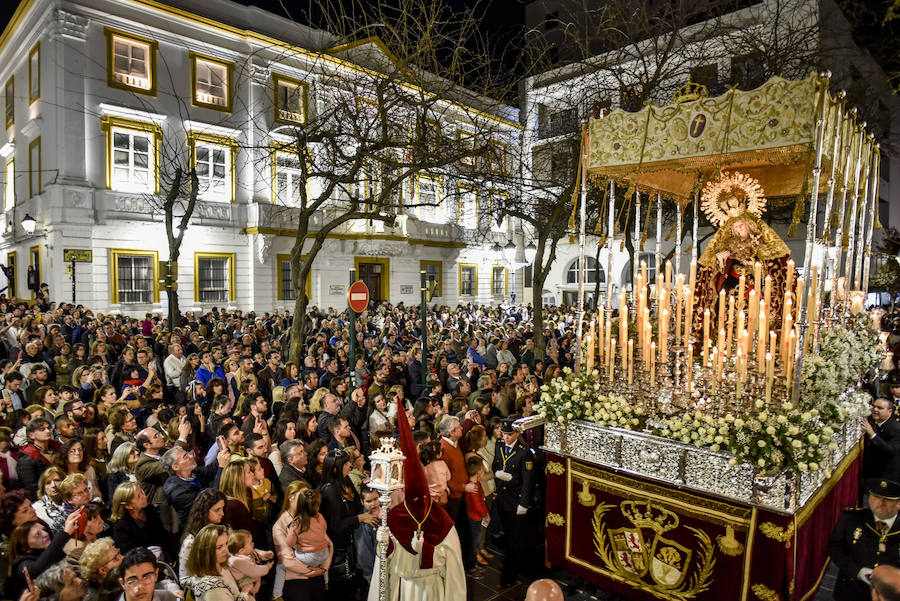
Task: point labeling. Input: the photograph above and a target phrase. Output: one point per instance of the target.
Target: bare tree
(404, 92)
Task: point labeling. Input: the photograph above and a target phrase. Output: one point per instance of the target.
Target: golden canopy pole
(861, 165)
(875, 176)
(802, 307)
(582, 219)
(857, 265)
(849, 140)
(829, 196)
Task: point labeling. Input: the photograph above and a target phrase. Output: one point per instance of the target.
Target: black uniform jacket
(856, 543)
(519, 463)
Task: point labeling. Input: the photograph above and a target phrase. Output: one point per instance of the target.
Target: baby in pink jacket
(243, 566)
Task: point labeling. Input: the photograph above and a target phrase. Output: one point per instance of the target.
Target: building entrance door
(370, 274)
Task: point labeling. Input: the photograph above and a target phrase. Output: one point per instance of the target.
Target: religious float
(710, 434)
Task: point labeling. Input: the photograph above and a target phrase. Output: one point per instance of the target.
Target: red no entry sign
(358, 296)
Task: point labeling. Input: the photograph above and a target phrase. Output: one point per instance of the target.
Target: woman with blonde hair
(208, 562)
(135, 521)
(236, 481)
(315, 403)
(49, 506)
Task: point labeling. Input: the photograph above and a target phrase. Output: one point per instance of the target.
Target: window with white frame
(468, 208)
(131, 63)
(135, 279)
(468, 280)
(430, 200)
(10, 199)
(211, 81)
(286, 288)
(591, 271)
(213, 279)
(213, 171)
(288, 179)
(132, 161)
(498, 280)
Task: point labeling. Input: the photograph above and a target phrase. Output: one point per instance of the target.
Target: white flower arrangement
(771, 439)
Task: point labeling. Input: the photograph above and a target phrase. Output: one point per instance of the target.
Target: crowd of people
(144, 462)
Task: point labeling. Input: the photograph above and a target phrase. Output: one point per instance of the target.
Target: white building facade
(98, 92)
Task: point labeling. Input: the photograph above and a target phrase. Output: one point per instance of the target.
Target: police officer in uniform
(514, 476)
(866, 537)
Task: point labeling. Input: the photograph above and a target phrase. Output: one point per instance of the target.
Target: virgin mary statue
(734, 203)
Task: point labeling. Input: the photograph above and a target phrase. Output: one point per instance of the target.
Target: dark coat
(31, 464)
(129, 533)
(35, 562)
(291, 474)
(180, 494)
(854, 544)
(519, 463)
(881, 453)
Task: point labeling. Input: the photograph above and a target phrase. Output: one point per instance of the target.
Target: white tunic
(445, 581)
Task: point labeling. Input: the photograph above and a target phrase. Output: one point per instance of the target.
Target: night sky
(502, 21)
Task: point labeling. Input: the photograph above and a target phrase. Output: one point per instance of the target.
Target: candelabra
(387, 476)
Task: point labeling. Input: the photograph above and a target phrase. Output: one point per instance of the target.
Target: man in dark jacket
(881, 453)
(293, 463)
(866, 537)
(37, 455)
(187, 479)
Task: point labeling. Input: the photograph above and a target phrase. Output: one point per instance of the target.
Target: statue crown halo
(716, 194)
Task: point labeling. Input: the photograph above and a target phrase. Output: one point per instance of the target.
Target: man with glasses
(151, 474)
(187, 480)
(138, 576)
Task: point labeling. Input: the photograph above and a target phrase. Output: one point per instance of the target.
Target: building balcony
(281, 220)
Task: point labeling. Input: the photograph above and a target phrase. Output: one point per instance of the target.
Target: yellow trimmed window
(468, 279)
(213, 158)
(287, 178)
(212, 82)
(134, 276)
(10, 93)
(34, 168)
(214, 277)
(34, 73)
(290, 99)
(434, 272)
(132, 62)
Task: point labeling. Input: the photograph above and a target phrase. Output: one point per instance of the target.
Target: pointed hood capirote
(418, 507)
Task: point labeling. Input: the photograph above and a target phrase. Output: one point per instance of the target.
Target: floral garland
(771, 439)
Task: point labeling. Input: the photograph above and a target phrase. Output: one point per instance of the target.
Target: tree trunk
(298, 327)
(174, 309)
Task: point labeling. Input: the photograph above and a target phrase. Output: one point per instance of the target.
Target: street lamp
(509, 252)
(28, 224)
(497, 250)
(530, 253)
